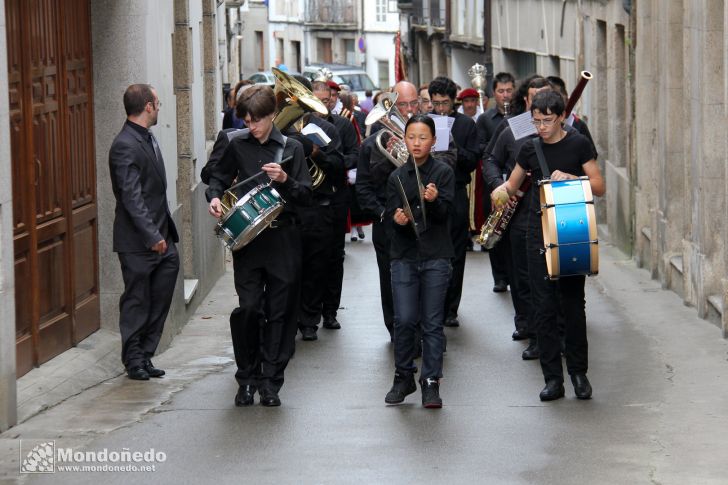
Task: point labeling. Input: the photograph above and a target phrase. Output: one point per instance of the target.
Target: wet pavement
(659, 412)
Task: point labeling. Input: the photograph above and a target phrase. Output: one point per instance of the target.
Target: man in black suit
(144, 233)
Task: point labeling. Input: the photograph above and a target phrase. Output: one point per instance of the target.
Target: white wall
(378, 35)
(462, 60)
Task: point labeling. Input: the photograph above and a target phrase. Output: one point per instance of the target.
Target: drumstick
(257, 174)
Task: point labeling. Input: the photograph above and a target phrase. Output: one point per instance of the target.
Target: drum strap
(545, 172)
(279, 154)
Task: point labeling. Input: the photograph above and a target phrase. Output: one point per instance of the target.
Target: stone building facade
(173, 45)
(679, 180)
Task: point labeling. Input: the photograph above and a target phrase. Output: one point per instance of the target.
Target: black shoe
(153, 371)
(431, 394)
(582, 387)
(308, 333)
(452, 322)
(138, 373)
(269, 398)
(531, 352)
(331, 323)
(500, 287)
(519, 334)
(245, 396)
(554, 390)
(403, 386)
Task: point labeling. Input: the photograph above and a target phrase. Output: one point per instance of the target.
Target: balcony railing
(331, 12)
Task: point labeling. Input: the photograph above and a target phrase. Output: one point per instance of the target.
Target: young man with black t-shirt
(568, 155)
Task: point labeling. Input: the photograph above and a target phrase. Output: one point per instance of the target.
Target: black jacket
(244, 158)
(434, 238)
(139, 182)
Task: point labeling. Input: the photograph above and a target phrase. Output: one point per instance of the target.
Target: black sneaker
(431, 394)
(308, 333)
(403, 386)
(331, 323)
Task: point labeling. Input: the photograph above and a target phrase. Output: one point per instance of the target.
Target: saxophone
(493, 229)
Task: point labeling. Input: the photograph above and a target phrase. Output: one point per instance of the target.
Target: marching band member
(442, 93)
(512, 246)
(420, 254)
(267, 270)
(318, 220)
(568, 155)
(372, 173)
(503, 87)
(349, 151)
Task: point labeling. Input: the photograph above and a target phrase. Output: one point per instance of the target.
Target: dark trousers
(460, 233)
(419, 289)
(546, 296)
(381, 240)
(149, 280)
(518, 276)
(263, 328)
(498, 256)
(317, 239)
(335, 269)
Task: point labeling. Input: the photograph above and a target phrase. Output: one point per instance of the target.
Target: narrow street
(659, 412)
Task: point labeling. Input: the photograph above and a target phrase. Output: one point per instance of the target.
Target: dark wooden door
(54, 177)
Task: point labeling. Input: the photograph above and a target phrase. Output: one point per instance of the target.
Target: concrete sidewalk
(658, 415)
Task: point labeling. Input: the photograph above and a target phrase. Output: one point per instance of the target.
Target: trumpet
(389, 141)
(294, 101)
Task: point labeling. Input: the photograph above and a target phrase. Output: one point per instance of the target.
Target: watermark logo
(40, 459)
(42, 456)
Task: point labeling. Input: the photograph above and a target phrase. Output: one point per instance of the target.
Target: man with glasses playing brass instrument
(373, 170)
(464, 135)
(268, 269)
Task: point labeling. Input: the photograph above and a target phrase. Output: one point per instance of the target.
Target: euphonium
(389, 141)
(294, 101)
(495, 226)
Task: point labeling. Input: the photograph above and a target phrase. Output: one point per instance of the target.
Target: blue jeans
(418, 290)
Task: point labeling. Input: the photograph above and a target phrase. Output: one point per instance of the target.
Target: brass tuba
(293, 102)
(390, 141)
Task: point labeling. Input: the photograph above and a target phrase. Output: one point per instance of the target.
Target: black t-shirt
(567, 155)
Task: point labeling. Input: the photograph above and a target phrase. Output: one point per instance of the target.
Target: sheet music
(443, 126)
(521, 125)
(316, 135)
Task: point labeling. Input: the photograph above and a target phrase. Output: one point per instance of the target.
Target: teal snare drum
(248, 216)
(569, 227)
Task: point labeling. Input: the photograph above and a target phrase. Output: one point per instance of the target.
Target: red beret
(333, 85)
(468, 93)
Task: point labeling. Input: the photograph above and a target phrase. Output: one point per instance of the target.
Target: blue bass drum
(569, 226)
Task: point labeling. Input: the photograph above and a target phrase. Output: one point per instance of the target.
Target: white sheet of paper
(521, 125)
(443, 125)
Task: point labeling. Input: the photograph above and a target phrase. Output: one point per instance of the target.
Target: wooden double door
(54, 177)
